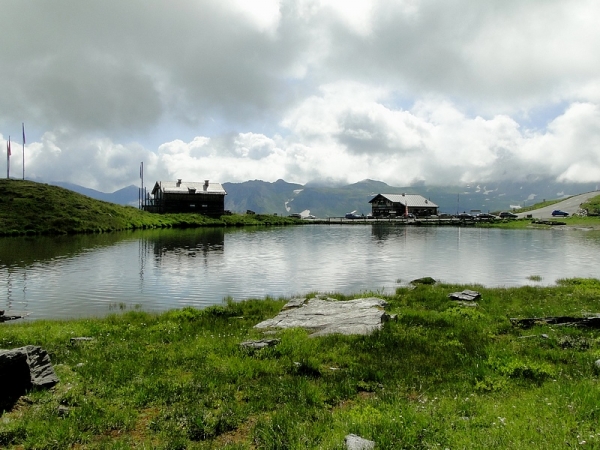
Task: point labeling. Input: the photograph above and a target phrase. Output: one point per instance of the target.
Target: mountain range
(321, 200)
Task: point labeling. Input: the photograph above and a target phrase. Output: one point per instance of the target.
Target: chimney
(178, 182)
(205, 185)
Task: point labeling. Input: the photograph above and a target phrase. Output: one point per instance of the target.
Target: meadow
(441, 375)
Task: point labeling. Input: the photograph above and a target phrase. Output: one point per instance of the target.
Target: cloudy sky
(402, 91)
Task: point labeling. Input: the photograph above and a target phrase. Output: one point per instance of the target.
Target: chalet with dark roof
(180, 196)
(397, 205)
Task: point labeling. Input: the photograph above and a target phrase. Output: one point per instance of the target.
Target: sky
(441, 92)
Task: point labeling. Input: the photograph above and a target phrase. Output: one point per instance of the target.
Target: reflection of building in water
(382, 232)
(177, 244)
(186, 253)
(187, 197)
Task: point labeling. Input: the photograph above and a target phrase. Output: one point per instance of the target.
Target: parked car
(310, 216)
(486, 216)
(464, 216)
(560, 213)
(353, 215)
(507, 215)
(296, 216)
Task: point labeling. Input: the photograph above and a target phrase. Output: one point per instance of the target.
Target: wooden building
(187, 197)
(397, 205)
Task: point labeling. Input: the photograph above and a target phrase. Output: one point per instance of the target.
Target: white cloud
(302, 89)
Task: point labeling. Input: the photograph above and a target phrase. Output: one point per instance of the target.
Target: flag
(23, 124)
(8, 147)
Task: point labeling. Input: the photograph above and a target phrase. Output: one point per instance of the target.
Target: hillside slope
(27, 207)
(36, 208)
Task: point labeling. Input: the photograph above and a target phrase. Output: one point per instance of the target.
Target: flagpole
(23, 126)
(8, 159)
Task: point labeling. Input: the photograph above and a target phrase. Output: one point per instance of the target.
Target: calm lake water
(75, 276)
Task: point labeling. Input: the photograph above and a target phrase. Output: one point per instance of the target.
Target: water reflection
(72, 276)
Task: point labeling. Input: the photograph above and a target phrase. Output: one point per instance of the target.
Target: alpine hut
(397, 205)
(180, 196)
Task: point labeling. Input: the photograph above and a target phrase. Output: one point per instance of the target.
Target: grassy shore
(33, 208)
(441, 376)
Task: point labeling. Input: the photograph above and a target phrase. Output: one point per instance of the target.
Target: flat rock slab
(360, 316)
(466, 295)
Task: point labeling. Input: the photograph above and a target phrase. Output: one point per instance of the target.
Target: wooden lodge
(397, 205)
(187, 197)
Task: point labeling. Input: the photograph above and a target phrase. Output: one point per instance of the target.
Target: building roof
(189, 187)
(414, 200)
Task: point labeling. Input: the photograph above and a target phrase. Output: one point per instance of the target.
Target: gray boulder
(354, 442)
(22, 369)
(360, 316)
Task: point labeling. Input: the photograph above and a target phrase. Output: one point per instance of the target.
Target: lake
(156, 270)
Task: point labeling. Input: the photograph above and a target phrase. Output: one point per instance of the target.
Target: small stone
(75, 340)
(424, 280)
(294, 303)
(354, 442)
(466, 295)
(262, 343)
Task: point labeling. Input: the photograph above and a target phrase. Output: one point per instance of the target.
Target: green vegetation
(440, 376)
(592, 205)
(534, 278)
(34, 208)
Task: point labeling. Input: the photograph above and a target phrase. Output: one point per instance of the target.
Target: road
(570, 205)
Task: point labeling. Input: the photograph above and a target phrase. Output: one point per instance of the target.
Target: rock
(294, 303)
(424, 280)
(597, 364)
(22, 369)
(257, 345)
(592, 321)
(466, 295)
(322, 317)
(75, 340)
(4, 318)
(468, 304)
(354, 442)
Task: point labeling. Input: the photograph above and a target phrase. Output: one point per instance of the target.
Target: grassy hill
(27, 207)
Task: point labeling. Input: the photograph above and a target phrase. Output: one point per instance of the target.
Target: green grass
(27, 207)
(440, 376)
(592, 205)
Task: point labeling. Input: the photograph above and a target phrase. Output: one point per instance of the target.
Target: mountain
(323, 199)
(260, 196)
(125, 196)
